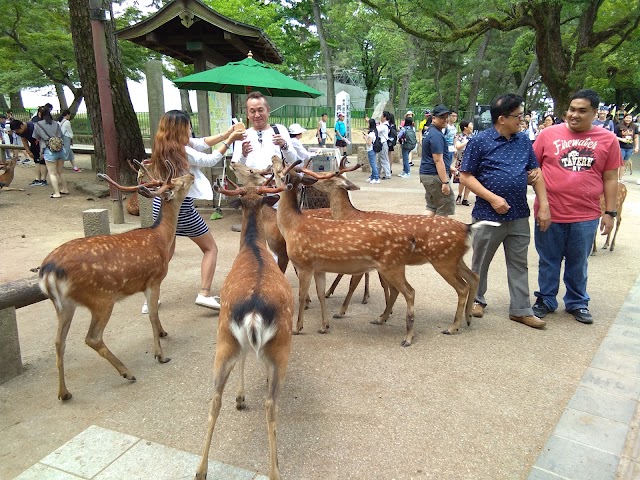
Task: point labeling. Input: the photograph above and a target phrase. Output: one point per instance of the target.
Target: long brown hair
(174, 131)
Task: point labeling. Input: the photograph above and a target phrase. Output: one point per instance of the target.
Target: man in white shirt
(262, 140)
(384, 166)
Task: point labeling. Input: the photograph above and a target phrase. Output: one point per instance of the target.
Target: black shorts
(341, 143)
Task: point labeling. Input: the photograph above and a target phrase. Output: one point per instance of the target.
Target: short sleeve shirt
(501, 166)
(434, 142)
(628, 132)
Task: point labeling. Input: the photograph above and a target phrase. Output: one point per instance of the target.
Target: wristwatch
(285, 147)
(611, 214)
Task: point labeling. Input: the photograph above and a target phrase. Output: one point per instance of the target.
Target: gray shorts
(436, 201)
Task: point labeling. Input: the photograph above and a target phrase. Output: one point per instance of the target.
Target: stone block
(96, 222)
(363, 159)
(145, 206)
(10, 359)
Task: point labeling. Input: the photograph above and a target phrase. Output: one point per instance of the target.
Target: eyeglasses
(520, 116)
(259, 132)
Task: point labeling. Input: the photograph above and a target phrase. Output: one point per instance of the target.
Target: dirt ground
(477, 405)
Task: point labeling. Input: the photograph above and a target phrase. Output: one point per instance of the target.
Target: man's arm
(498, 203)
(610, 178)
(25, 144)
(543, 218)
(438, 159)
(635, 140)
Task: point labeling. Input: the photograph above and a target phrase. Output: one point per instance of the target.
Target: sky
(32, 98)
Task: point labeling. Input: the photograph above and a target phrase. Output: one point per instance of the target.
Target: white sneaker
(369, 180)
(638, 182)
(377, 180)
(145, 307)
(209, 302)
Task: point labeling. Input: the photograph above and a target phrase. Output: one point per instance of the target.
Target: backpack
(393, 137)
(409, 138)
(377, 144)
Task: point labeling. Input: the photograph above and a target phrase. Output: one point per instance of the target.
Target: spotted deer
(317, 245)
(96, 272)
(256, 316)
(622, 195)
(254, 177)
(6, 177)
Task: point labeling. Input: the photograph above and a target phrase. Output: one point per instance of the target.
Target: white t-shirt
(301, 152)
(323, 129)
(263, 148)
(372, 136)
(383, 131)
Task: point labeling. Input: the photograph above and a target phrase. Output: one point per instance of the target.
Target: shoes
(529, 321)
(145, 307)
(209, 302)
(369, 180)
(540, 309)
(477, 310)
(375, 181)
(385, 178)
(43, 183)
(638, 182)
(35, 183)
(404, 175)
(458, 200)
(76, 169)
(465, 203)
(582, 315)
(26, 161)
(411, 164)
(236, 227)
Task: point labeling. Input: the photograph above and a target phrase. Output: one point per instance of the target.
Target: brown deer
(254, 177)
(317, 245)
(440, 241)
(6, 177)
(96, 272)
(622, 195)
(255, 316)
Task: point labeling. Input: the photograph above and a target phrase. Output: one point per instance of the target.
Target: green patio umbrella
(246, 76)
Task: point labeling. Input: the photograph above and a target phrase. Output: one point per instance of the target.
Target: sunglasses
(259, 132)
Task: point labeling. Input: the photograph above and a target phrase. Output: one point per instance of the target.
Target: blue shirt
(434, 142)
(501, 166)
(341, 129)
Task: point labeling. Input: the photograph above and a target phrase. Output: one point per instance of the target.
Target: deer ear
(168, 195)
(308, 181)
(270, 200)
(349, 185)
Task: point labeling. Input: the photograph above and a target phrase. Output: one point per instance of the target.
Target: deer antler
(142, 166)
(291, 167)
(108, 179)
(343, 165)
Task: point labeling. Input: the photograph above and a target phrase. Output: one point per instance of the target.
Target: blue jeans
(372, 161)
(571, 242)
(405, 161)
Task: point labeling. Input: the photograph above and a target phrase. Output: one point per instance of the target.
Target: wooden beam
(236, 42)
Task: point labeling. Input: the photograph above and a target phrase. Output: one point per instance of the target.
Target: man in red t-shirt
(579, 162)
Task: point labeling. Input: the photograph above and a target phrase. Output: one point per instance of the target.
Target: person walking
(173, 143)
(44, 131)
(408, 142)
(383, 164)
(321, 131)
(435, 167)
(495, 167)
(628, 134)
(460, 143)
(579, 163)
(341, 134)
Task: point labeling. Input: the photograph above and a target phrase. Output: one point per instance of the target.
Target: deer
(441, 241)
(317, 245)
(622, 195)
(275, 240)
(256, 316)
(6, 177)
(95, 272)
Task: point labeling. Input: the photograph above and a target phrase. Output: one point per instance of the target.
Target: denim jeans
(405, 161)
(571, 242)
(374, 168)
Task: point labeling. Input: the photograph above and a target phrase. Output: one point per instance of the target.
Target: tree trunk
(128, 134)
(554, 61)
(4, 106)
(369, 99)
(403, 101)
(185, 103)
(477, 72)
(524, 83)
(15, 99)
(458, 90)
(326, 54)
(77, 100)
(61, 97)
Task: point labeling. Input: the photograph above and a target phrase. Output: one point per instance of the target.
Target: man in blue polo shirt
(495, 167)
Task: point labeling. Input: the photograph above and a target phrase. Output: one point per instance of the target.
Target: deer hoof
(338, 315)
(405, 343)
(65, 396)
(240, 405)
(322, 330)
(376, 322)
(162, 333)
(162, 359)
(296, 332)
(129, 377)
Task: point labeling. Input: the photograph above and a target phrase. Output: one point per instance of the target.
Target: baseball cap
(296, 129)
(410, 112)
(427, 112)
(341, 114)
(439, 110)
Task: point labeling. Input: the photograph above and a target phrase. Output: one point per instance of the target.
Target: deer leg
(100, 316)
(353, 284)
(221, 369)
(397, 279)
(321, 279)
(334, 285)
(153, 294)
(65, 315)
(390, 300)
(472, 280)
(276, 374)
(615, 233)
(365, 295)
(386, 290)
(240, 405)
(449, 271)
(594, 250)
(304, 280)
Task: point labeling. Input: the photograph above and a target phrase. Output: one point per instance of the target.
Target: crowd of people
(584, 148)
